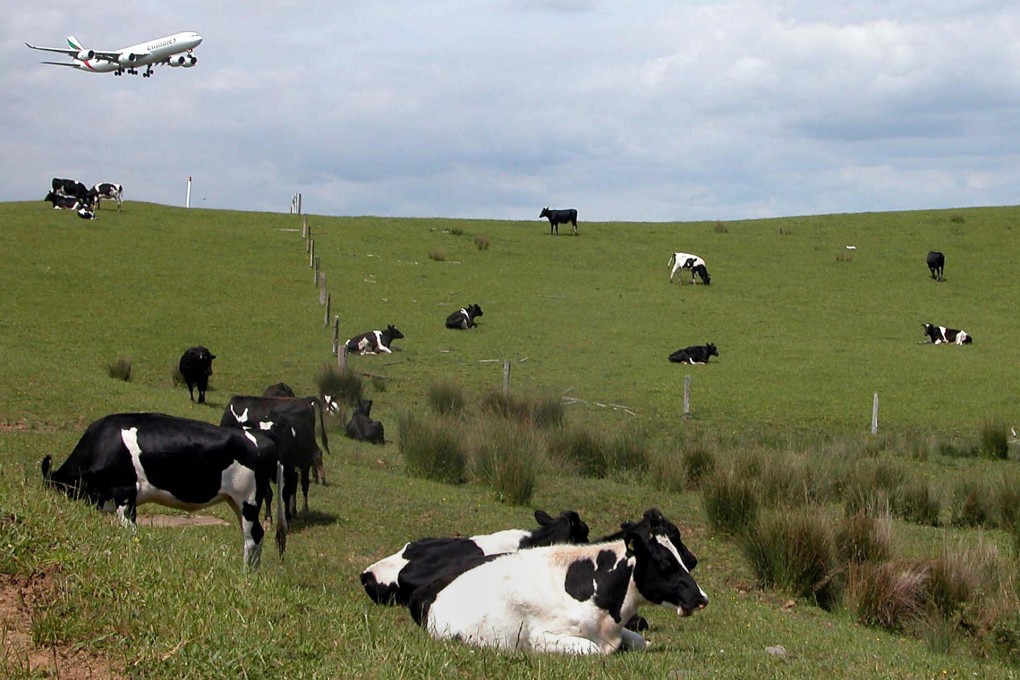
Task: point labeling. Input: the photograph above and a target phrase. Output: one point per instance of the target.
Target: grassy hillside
(806, 336)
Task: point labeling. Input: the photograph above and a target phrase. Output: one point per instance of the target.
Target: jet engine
(185, 60)
(85, 55)
(127, 59)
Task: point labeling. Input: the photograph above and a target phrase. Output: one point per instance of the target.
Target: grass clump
(795, 552)
(507, 460)
(888, 595)
(581, 448)
(731, 502)
(509, 406)
(482, 242)
(698, 463)
(995, 440)
(432, 450)
(120, 368)
(917, 502)
(864, 538)
(346, 388)
(548, 411)
(437, 255)
(446, 398)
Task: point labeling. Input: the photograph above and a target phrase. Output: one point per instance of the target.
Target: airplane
(174, 50)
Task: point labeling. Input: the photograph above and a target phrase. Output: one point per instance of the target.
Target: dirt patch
(180, 521)
(19, 426)
(20, 596)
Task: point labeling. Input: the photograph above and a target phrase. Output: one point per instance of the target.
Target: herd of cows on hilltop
(70, 194)
(545, 589)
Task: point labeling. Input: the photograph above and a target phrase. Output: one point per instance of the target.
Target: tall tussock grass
(506, 457)
(994, 438)
(446, 399)
(794, 551)
(347, 387)
(731, 502)
(432, 449)
(120, 369)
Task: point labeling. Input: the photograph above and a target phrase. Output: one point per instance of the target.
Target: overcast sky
(643, 110)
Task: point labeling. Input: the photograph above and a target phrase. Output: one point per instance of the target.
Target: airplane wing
(115, 56)
(71, 52)
(59, 63)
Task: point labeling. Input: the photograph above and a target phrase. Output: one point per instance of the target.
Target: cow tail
(322, 427)
(281, 515)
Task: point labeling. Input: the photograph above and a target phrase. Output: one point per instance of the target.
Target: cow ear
(543, 518)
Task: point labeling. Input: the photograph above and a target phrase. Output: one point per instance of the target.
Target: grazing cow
(242, 411)
(574, 599)
(464, 318)
(196, 367)
(61, 202)
(393, 579)
(941, 335)
(692, 263)
(374, 342)
(289, 437)
(128, 459)
(69, 187)
(695, 354)
(936, 264)
(108, 191)
(558, 217)
(361, 426)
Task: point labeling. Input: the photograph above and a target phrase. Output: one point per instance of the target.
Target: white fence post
(874, 415)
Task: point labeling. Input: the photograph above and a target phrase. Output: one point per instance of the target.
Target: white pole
(187, 200)
(874, 415)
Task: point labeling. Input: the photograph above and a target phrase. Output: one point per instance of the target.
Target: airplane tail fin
(74, 43)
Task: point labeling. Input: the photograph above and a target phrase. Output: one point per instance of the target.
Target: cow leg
(127, 510)
(631, 641)
(290, 480)
(304, 489)
(319, 469)
(252, 533)
(566, 644)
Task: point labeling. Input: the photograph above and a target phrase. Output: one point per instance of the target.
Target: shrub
(887, 595)
(582, 449)
(916, 501)
(794, 552)
(437, 255)
(548, 411)
(698, 463)
(507, 461)
(120, 368)
(995, 440)
(346, 388)
(446, 398)
(482, 242)
(864, 538)
(432, 450)
(495, 402)
(730, 501)
(957, 219)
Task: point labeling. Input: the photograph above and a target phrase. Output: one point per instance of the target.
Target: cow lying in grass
(940, 335)
(695, 354)
(573, 599)
(374, 342)
(464, 318)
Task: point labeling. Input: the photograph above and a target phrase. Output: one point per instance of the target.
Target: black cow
(940, 335)
(242, 411)
(108, 191)
(558, 217)
(936, 264)
(279, 390)
(69, 187)
(128, 459)
(361, 426)
(393, 579)
(464, 318)
(61, 202)
(289, 435)
(374, 342)
(695, 354)
(196, 367)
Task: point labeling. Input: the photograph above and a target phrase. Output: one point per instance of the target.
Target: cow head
(712, 350)
(474, 310)
(394, 332)
(544, 213)
(660, 574)
(567, 528)
(702, 271)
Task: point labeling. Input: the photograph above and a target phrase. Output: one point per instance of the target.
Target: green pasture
(807, 331)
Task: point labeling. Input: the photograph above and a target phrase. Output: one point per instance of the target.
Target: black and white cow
(936, 264)
(195, 366)
(127, 459)
(61, 202)
(695, 354)
(86, 213)
(941, 335)
(374, 342)
(69, 187)
(558, 217)
(692, 263)
(244, 411)
(574, 599)
(393, 579)
(362, 428)
(280, 389)
(464, 318)
(109, 191)
(289, 437)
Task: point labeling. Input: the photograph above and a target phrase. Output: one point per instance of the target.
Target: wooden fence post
(506, 377)
(325, 321)
(336, 335)
(315, 271)
(341, 360)
(874, 415)
(304, 226)
(322, 290)
(687, 396)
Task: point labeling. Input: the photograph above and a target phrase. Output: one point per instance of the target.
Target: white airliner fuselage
(174, 50)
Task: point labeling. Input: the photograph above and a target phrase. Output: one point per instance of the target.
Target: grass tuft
(482, 242)
(346, 388)
(119, 368)
(432, 449)
(446, 398)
